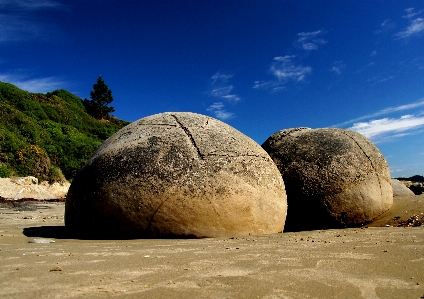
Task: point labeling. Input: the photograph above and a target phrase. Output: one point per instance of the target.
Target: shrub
(11, 94)
(56, 175)
(68, 97)
(5, 172)
(33, 160)
(33, 109)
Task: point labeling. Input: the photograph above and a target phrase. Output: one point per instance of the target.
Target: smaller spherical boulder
(334, 178)
(177, 175)
(400, 189)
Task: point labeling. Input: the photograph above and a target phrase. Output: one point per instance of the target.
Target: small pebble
(57, 268)
(41, 241)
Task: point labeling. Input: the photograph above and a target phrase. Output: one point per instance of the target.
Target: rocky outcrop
(30, 188)
(334, 178)
(399, 189)
(417, 188)
(177, 175)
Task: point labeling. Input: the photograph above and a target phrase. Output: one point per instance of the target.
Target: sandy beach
(39, 260)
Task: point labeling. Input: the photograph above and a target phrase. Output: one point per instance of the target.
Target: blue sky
(260, 66)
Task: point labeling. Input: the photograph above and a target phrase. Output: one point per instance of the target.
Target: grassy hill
(47, 135)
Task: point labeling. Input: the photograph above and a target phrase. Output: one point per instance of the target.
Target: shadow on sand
(57, 232)
(61, 232)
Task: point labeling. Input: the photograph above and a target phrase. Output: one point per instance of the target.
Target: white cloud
(415, 27)
(222, 89)
(310, 40)
(284, 70)
(385, 111)
(389, 127)
(219, 112)
(37, 85)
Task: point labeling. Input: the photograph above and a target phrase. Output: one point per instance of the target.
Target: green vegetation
(49, 136)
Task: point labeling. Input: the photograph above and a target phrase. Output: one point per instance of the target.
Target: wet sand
(39, 260)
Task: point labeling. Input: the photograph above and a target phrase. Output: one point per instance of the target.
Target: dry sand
(38, 260)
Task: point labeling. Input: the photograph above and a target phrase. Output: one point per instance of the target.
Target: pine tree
(101, 97)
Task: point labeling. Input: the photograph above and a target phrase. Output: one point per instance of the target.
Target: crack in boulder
(190, 136)
(154, 214)
(166, 125)
(235, 156)
(372, 164)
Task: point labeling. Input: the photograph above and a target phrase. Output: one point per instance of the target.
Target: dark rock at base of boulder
(417, 188)
(177, 175)
(334, 178)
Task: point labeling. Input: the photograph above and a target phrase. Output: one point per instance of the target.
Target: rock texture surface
(178, 175)
(333, 177)
(400, 189)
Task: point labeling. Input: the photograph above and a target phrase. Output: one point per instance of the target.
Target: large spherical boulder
(177, 175)
(333, 177)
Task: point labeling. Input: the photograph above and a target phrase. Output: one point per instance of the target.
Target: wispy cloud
(380, 79)
(17, 23)
(222, 90)
(385, 111)
(284, 70)
(388, 128)
(15, 28)
(269, 85)
(415, 27)
(338, 67)
(29, 4)
(310, 40)
(410, 13)
(37, 85)
(381, 129)
(386, 26)
(218, 110)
